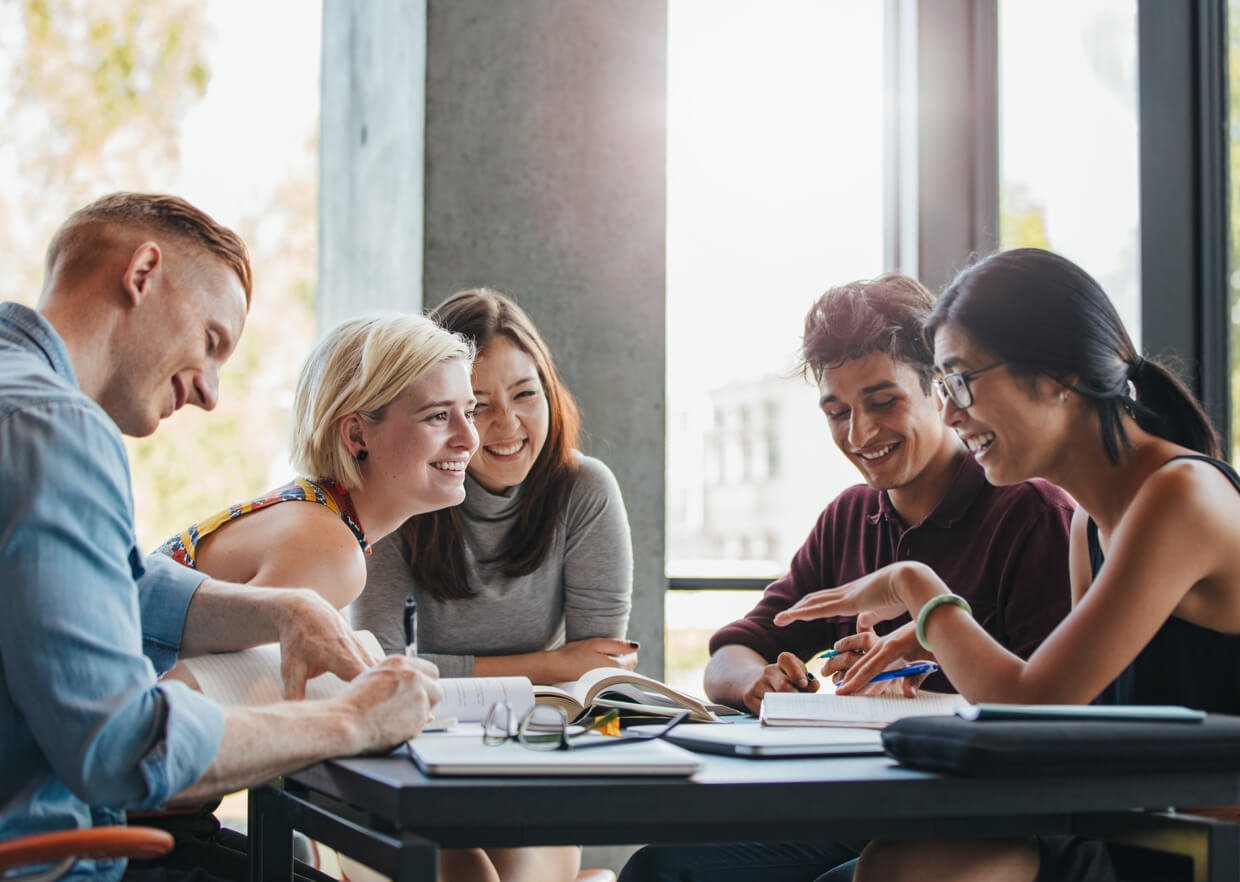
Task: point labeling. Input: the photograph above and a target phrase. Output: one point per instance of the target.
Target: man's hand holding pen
(788, 674)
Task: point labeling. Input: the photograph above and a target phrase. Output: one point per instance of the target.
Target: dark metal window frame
(1182, 64)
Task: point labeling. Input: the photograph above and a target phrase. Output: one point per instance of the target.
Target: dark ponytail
(1167, 408)
(1042, 314)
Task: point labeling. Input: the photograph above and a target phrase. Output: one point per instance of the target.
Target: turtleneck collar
(482, 504)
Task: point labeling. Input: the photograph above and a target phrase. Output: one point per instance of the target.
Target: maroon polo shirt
(1004, 549)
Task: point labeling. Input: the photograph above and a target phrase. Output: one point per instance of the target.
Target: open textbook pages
(865, 711)
(252, 677)
(633, 694)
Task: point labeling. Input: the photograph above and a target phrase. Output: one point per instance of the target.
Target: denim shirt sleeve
(164, 592)
(72, 638)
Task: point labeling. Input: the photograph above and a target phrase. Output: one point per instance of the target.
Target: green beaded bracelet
(931, 605)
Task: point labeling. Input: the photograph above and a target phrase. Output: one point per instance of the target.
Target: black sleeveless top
(1183, 663)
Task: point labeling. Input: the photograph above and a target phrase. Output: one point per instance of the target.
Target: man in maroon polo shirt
(1005, 549)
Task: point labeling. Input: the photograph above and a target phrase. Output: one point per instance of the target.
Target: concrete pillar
(371, 157)
(543, 175)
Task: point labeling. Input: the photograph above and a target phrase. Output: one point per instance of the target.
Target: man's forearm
(225, 616)
(730, 673)
(261, 743)
(380, 708)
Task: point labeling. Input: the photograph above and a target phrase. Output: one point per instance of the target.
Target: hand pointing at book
(315, 639)
(882, 594)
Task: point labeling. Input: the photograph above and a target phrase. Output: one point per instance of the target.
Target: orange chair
(66, 846)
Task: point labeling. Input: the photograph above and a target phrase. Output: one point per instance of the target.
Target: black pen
(411, 626)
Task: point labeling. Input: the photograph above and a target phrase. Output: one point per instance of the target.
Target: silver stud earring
(1063, 397)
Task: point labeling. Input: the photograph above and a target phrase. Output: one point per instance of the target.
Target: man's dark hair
(884, 314)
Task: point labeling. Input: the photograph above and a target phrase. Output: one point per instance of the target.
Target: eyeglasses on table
(544, 727)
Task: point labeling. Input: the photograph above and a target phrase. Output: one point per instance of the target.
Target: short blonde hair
(361, 367)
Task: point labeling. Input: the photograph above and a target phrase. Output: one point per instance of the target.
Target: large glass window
(1068, 138)
(188, 98)
(775, 192)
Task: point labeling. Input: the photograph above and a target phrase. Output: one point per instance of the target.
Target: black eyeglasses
(954, 387)
(544, 727)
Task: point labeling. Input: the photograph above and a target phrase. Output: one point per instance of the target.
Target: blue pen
(910, 671)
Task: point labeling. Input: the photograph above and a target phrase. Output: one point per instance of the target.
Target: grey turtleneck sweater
(582, 589)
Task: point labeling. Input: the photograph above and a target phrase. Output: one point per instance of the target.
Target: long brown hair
(436, 543)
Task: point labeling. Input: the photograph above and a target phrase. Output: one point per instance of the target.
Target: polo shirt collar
(28, 329)
(964, 488)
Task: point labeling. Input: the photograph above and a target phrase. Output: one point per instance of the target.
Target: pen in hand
(910, 671)
(411, 626)
(832, 653)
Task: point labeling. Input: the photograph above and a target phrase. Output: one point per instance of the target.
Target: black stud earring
(362, 454)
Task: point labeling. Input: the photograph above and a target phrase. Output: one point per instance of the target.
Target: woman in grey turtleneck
(532, 575)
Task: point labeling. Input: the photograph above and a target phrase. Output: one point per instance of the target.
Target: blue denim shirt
(86, 730)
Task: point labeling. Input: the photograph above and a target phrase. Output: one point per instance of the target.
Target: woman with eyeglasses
(1040, 379)
(532, 575)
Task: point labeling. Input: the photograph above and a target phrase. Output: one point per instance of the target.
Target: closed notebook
(464, 755)
(747, 739)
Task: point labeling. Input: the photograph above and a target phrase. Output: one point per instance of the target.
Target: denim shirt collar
(26, 328)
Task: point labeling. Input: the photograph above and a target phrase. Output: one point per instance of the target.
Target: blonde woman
(382, 430)
(383, 427)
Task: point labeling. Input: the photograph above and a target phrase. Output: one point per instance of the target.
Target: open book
(865, 711)
(252, 677)
(633, 694)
